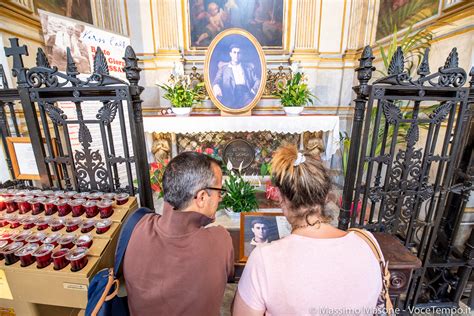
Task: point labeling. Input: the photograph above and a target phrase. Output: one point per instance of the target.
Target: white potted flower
(240, 195)
(294, 95)
(182, 95)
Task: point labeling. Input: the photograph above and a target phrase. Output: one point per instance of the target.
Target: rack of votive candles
(59, 203)
(27, 248)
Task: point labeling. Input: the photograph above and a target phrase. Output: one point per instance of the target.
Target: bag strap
(125, 235)
(383, 267)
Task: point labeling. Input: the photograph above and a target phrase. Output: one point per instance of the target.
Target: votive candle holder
(78, 258)
(59, 258)
(105, 208)
(25, 254)
(43, 255)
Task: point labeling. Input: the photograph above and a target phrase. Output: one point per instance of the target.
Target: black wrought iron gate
(404, 168)
(117, 160)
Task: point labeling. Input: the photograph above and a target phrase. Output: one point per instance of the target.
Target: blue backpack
(102, 299)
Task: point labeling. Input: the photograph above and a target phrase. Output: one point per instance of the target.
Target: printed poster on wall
(83, 39)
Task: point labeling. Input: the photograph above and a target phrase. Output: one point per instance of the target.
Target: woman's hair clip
(300, 158)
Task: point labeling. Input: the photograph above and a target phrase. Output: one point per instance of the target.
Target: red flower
(209, 151)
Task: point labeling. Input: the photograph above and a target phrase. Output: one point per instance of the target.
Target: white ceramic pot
(293, 110)
(181, 111)
(234, 216)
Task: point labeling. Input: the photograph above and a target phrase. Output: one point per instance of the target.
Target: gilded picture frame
(235, 71)
(269, 18)
(22, 170)
(271, 225)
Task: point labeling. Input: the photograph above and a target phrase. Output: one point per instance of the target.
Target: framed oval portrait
(235, 71)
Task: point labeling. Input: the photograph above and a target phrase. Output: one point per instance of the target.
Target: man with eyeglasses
(174, 264)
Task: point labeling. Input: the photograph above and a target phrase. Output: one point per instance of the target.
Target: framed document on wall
(23, 158)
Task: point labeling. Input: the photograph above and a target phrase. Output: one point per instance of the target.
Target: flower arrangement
(295, 92)
(181, 93)
(157, 169)
(240, 195)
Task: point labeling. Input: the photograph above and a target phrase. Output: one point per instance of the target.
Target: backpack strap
(124, 238)
(384, 295)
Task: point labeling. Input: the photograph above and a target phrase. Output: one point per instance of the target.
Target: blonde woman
(318, 269)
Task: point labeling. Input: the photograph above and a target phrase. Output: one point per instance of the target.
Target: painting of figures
(396, 15)
(74, 9)
(261, 18)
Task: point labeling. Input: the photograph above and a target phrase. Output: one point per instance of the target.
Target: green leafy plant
(413, 45)
(181, 93)
(295, 92)
(240, 195)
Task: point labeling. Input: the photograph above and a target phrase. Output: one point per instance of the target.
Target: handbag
(384, 303)
(102, 299)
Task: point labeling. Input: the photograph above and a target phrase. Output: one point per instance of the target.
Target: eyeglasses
(222, 191)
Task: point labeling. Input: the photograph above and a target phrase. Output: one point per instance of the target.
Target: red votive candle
(52, 239)
(59, 193)
(9, 252)
(77, 207)
(21, 237)
(67, 241)
(56, 224)
(122, 198)
(3, 206)
(20, 193)
(36, 192)
(103, 225)
(3, 221)
(26, 254)
(42, 223)
(43, 255)
(50, 206)
(24, 205)
(28, 222)
(59, 258)
(7, 236)
(14, 221)
(109, 196)
(48, 193)
(87, 225)
(36, 238)
(78, 258)
(82, 195)
(3, 243)
(11, 192)
(10, 204)
(91, 208)
(70, 194)
(63, 207)
(95, 196)
(105, 208)
(37, 205)
(84, 241)
(72, 224)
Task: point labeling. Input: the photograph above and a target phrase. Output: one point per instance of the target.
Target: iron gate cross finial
(16, 52)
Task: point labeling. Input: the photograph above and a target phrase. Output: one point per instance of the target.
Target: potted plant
(182, 94)
(240, 195)
(295, 94)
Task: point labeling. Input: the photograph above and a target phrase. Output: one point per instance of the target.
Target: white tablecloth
(230, 124)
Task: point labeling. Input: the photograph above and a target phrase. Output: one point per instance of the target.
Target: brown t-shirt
(175, 266)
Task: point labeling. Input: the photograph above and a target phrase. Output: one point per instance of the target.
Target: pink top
(299, 275)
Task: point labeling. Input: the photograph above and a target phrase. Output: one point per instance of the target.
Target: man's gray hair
(185, 175)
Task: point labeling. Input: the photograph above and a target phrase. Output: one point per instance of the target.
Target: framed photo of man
(259, 228)
(235, 71)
